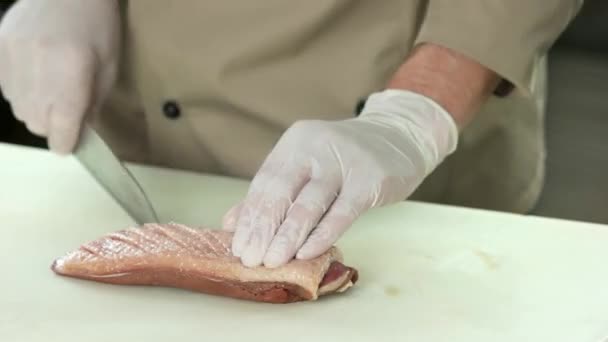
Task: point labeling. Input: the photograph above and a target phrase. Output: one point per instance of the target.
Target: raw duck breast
(174, 255)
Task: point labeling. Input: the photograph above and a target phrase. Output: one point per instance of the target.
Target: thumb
(71, 105)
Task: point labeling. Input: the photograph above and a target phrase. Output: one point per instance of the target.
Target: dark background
(576, 184)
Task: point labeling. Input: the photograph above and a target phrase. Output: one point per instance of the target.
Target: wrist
(457, 83)
(418, 119)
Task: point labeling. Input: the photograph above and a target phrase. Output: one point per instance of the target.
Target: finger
(34, 115)
(13, 79)
(64, 126)
(310, 205)
(263, 224)
(70, 108)
(230, 217)
(40, 124)
(31, 100)
(343, 212)
(30, 91)
(263, 211)
(265, 176)
(18, 109)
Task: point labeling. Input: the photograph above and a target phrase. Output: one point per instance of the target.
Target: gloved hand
(322, 175)
(58, 60)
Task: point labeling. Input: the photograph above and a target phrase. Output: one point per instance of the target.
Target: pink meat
(174, 255)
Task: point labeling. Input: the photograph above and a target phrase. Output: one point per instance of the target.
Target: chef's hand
(58, 60)
(322, 175)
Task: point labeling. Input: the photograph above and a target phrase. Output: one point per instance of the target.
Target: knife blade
(99, 160)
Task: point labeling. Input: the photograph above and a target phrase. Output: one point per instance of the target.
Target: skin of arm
(456, 82)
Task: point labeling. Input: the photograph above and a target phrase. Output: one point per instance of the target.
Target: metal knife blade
(109, 171)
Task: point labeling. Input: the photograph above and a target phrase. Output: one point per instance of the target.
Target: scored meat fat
(175, 255)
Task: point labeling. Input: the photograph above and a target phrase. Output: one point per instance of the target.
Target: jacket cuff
(507, 37)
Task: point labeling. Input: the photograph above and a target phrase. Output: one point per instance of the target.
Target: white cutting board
(427, 272)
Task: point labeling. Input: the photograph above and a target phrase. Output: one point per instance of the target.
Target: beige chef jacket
(210, 86)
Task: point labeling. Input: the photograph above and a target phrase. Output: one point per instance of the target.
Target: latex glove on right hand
(58, 61)
(322, 175)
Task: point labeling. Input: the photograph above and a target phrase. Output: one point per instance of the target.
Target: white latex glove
(58, 60)
(322, 175)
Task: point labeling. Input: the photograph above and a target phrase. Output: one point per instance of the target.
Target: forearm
(457, 83)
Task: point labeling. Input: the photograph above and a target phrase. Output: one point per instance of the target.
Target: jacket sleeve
(506, 36)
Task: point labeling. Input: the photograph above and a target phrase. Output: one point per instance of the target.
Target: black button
(171, 110)
(504, 88)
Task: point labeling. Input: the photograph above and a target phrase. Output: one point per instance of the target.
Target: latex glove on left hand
(322, 175)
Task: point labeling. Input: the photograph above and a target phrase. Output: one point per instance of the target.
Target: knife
(109, 171)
